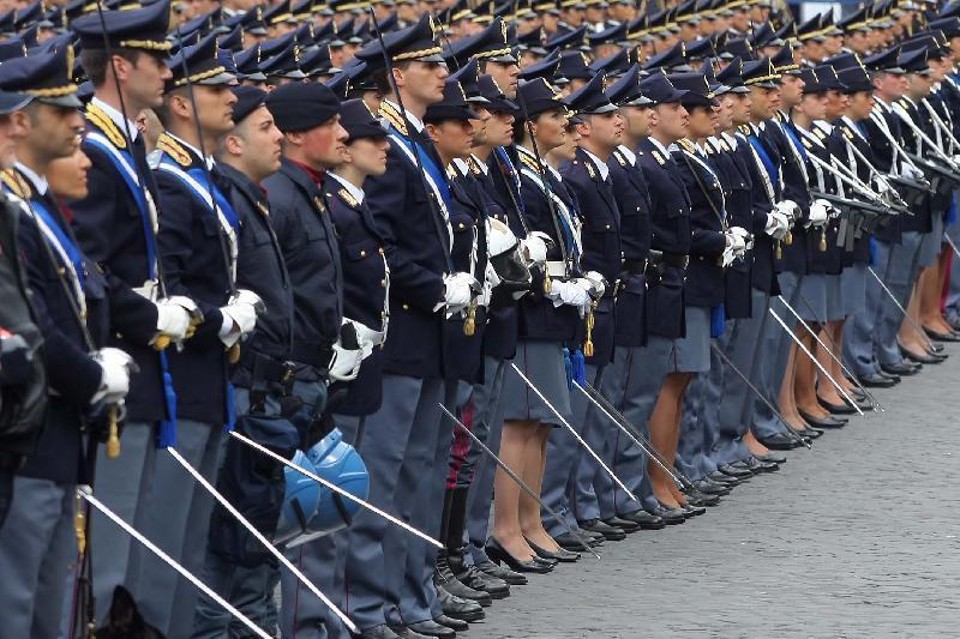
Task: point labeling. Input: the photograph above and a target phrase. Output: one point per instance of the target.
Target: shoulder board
(821, 135)
(263, 208)
(394, 117)
(17, 185)
(847, 132)
(175, 150)
(686, 145)
(618, 154)
(745, 129)
(348, 198)
(708, 148)
(806, 142)
(529, 162)
(659, 157)
(588, 165)
(96, 116)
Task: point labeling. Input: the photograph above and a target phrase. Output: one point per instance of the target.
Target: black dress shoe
(941, 337)
(720, 478)
(733, 471)
(431, 628)
(779, 441)
(444, 576)
(770, 457)
(378, 632)
(406, 633)
(810, 434)
(453, 606)
(512, 577)
(893, 377)
(609, 532)
(645, 520)
(837, 409)
(473, 577)
(571, 542)
(876, 380)
(670, 516)
(625, 525)
(901, 368)
(701, 500)
(709, 488)
(755, 465)
(823, 422)
(454, 624)
(693, 511)
(561, 555)
(497, 553)
(928, 358)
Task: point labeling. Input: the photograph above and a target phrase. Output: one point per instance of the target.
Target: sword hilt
(113, 433)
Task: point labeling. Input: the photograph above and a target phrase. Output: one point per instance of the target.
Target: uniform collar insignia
(179, 153)
(350, 201)
(99, 118)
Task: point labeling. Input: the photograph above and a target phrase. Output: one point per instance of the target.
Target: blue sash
(507, 164)
(437, 174)
(788, 129)
(772, 169)
(63, 238)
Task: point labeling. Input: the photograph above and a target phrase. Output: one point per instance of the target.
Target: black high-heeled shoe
(498, 554)
(560, 555)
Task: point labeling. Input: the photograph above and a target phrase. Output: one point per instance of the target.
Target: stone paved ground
(858, 537)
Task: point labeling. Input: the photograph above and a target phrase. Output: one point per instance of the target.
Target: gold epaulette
(174, 149)
(99, 118)
(807, 143)
(820, 134)
(15, 182)
(588, 165)
(745, 129)
(618, 154)
(659, 157)
(348, 198)
(394, 117)
(529, 162)
(687, 146)
(847, 132)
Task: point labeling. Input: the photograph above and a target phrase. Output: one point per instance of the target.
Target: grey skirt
(812, 298)
(689, 354)
(853, 287)
(834, 291)
(930, 246)
(542, 362)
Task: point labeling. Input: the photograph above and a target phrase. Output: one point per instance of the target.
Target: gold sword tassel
(591, 321)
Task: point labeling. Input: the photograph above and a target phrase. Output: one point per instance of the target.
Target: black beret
(301, 106)
(248, 100)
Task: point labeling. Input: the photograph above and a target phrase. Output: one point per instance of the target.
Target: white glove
(533, 248)
(570, 294)
(736, 243)
(115, 369)
(881, 184)
(819, 213)
(345, 364)
(173, 319)
(367, 338)
(244, 319)
(246, 296)
(777, 225)
(789, 209)
(457, 292)
(594, 283)
(911, 172)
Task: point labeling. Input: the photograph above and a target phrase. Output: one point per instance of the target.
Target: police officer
(117, 228)
(37, 544)
(198, 245)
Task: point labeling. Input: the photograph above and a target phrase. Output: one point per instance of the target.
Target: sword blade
(575, 434)
(914, 323)
(86, 494)
(263, 540)
(340, 491)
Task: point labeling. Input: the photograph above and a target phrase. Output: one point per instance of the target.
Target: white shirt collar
(481, 165)
(555, 172)
(599, 164)
(627, 153)
(39, 182)
(731, 139)
(656, 143)
(118, 119)
(356, 192)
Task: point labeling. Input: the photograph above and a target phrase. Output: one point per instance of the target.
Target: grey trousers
(178, 521)
(38, 553)
(774, 352)
(125, 485)
(592, 487)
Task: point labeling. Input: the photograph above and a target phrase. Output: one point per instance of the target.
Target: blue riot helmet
(339, 463)
(300, 499)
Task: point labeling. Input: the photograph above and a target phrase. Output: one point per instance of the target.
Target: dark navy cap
(45, 77)
(359, 121)
(248, 65)
(13, 48)
(316, 61)
(659, 90)
(697, 90)
(199, 64)
(732, 76)
(855, 79)
(202, 24)
(133, 29)
(844, 61)
(914, 61)
(232, 40)
(538, 96)
(716, 87)
(354, 77)
(590, 98)
(935, 48)
(811, 30)
(453, 106)
(546, 69)
(626, 90)
(764, 36)
(760, 73)
(490, 44)
(301, 106)
(497, 99)
(702, 48)
(736, 48)
(418, 42)
(533, 41)
(783, 62)
(611, 35)
(285, 64)
(248, 100)
(270, 48)
(467, 77)
(568, 40)
(252, 22)
(887, 61)
(673, 59)
(615, 64)
(279, 13)
(828, 79)
(574, 65)
(949, 27)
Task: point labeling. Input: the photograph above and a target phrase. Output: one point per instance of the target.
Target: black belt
(677, 260)
(635, 267)
(318, 355)
(265, 368)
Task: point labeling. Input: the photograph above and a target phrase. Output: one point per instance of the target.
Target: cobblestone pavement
(858, 537)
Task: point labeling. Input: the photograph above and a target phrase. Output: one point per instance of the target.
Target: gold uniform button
(406, 307)
(380, 250)
(383, 283)
(461, 225)
(363, 253)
